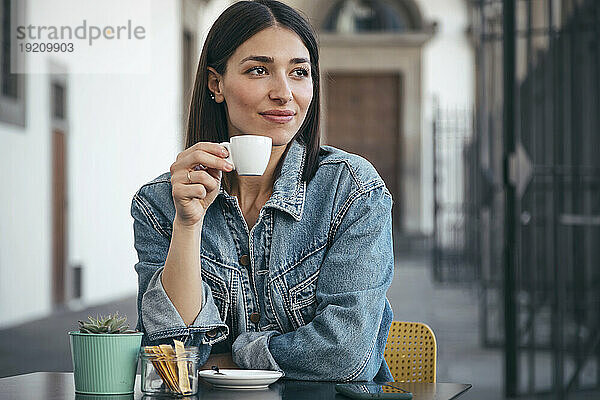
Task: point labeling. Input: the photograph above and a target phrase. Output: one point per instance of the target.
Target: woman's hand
(196, 178)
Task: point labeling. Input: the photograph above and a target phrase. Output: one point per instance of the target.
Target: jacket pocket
(294, 286)
(303, 301)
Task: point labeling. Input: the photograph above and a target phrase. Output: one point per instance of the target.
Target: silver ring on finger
(189, 177)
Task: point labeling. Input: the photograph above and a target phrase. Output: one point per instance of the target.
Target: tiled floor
(452, 313)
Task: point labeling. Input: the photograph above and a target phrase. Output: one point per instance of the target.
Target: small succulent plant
(105, 324)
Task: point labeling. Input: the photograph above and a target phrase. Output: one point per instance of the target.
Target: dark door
(363, 114)
(59, 216)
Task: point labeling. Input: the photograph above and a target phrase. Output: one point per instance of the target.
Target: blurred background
(482, 116)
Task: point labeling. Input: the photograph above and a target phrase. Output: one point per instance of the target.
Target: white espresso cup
(249, 154)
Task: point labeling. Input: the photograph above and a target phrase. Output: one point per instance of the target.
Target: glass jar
(172, 375)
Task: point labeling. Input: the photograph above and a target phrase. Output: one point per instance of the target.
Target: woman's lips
(279, 119)
(278, 116)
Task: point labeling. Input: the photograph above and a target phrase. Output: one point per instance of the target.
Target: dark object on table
(372, 391)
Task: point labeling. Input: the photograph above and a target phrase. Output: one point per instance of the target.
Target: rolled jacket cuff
(161, 318)
(251, 351)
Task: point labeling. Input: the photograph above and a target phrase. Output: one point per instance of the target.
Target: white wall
(25, 263)
(448, 75)
(123, 131)
(448, 56)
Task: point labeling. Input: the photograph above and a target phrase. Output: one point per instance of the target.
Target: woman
(285, 271)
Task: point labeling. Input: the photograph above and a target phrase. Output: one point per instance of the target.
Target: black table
(60, 386)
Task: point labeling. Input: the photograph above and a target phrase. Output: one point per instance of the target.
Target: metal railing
(455, 246)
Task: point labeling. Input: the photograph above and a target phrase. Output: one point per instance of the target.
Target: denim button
(245, 260)
(254, 317)
(211, 334)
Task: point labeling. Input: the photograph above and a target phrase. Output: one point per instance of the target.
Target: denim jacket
(302, 292)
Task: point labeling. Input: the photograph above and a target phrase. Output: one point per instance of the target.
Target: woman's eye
(301, 72)
(257, 71)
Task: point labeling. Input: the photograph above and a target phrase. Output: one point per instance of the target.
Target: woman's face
(267, 86)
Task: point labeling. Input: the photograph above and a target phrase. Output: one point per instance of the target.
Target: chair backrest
(411, 352)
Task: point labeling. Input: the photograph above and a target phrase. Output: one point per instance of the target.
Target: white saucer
(240, 378)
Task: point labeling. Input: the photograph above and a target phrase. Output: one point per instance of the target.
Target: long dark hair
(207, 120)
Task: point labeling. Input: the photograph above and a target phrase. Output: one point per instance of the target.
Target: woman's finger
(204, 178)
(209, 147)
(207, 160)
(189, 191)
(215, 173)
(210, 176)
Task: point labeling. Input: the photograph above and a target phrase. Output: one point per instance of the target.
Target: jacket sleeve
(157, 316)
(346, 338)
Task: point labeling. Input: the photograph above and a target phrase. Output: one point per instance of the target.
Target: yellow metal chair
(411, 352)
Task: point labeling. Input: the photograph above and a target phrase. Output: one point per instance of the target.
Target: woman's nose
(281, 90)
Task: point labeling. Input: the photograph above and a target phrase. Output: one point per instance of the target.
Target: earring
(212, 96)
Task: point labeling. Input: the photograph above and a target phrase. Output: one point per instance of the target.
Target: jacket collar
(289, 190)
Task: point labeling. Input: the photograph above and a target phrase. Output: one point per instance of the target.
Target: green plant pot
(105, 363)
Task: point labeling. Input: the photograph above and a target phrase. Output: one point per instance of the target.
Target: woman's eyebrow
(269, 60)
(263, 59)
(300, 60)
